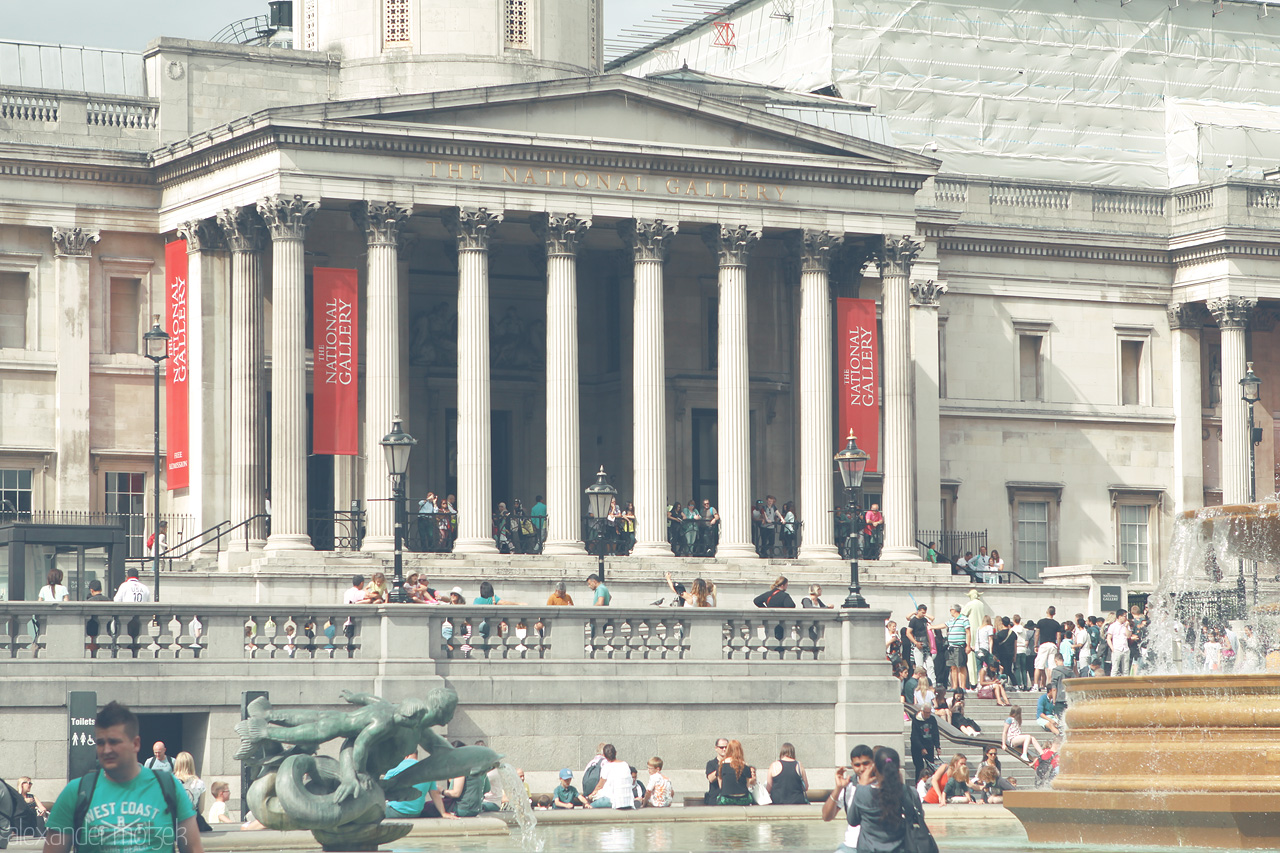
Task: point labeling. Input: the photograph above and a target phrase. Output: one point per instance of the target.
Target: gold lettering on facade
(433, 168)
(604, 181)
(693, 189)
(673, 185)
(455, 170)
(581, 184)
(477, 172)
(607, 181)
(622, 184)
(742, 190)
(529, 178)
(508, 174)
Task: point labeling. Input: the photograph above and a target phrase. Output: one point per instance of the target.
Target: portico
(603, 295)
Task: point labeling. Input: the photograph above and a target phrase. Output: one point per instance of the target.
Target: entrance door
(320, 523)
(501, 475)
(706, 482)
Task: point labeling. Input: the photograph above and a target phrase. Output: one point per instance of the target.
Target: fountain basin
(1252, 530)
(1166, 760)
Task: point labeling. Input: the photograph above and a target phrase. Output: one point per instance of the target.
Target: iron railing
(137, 527)
(336, 530)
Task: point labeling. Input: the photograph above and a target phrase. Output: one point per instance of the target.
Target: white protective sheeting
(75, 69)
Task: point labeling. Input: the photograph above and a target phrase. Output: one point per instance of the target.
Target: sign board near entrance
(82, 751)
(1109, 598)
(335, 420)
(858, 376)
(178, 475)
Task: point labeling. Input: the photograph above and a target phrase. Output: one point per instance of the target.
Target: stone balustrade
(458, 635)
(61, 117)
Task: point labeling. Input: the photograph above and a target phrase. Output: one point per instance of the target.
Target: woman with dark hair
(53, 590)
(734, 776)
(880, 808)
(776, 596)
(614, 790)
(488, 596)
(1006, 646)
(990, 686)
(787, 782)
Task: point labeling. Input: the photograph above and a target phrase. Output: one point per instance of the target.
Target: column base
(907, 555)
(728, 549)
(289, 542)
(564, 548)
(378, 543)
(660, 548)
(475, 546)
(818, 552)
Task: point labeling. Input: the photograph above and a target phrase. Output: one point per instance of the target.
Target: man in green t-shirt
(602, 596)
(128, 812)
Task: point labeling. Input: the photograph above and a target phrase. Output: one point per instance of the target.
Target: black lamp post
(398, 444)
(600, 496)
(852, 462)
(1251, 392)
(157, 349)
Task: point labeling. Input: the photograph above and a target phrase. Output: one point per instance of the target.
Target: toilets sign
(82, 751)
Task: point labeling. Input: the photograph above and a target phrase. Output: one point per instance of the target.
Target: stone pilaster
(473, 228)
(72, 250)
(732, 247)
(287, 219)
(1232, 314)
(208, 342)
(381, 223)
(816, 394)
(562, 234)
(924, 392)
(649, 241)
(1185, 322)
(245, 237)
(895, 259)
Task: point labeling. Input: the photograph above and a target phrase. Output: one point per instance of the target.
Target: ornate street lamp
(157, 349)
(600, 496)
(852, 462)
(397, 444)
(1251, 392)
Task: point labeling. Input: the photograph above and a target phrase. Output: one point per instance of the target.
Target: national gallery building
(561, 265)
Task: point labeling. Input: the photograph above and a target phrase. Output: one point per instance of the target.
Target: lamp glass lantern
(156, 341)
(398, 444)
(852, 462)
(600, 494)
(1250, 385)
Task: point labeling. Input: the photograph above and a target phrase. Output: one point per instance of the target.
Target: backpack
(590, 778)
(84, 797)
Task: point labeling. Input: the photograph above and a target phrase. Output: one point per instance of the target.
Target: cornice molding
(1051, 250)
(1222, 251)
(139, 177)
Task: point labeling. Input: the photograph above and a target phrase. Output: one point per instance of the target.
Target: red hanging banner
(177, 433)
(858, 376)
(335, 427)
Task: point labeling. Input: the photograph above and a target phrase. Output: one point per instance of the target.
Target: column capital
(560, 231)
(202, 235)
(1187, 315)
(287, 217)
(896, 254)
(74, 242)
(1231, 312)
(649, 239)
(381, 221)
(471, 226)
(731, 246)
(242, 229)
(925, 294)
(817, 248)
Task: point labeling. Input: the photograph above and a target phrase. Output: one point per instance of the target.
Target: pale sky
(131, 24)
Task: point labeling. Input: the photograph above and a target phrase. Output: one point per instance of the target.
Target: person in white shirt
(614, 788)
(132, 590)
(221, 792)
(355, 593)
(842, 795)
(53, 590)
(1118, 639)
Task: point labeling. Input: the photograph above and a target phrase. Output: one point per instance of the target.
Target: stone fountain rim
(1253, 510)
(1146, 683)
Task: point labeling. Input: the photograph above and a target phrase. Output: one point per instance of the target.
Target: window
(310, 35)
(124, 317)
(516, 24)
(1135, 551)
(15, 494)
(1034, 517)
(13, 310)
(395, 23)
(125, 496)
(1030, 379)
(1134, 381)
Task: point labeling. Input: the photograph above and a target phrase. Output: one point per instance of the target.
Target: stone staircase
(990, 716)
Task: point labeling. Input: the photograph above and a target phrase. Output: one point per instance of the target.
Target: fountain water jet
(1169, 759)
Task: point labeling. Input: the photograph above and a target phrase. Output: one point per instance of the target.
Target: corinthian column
(287, 221)
(895, 260)
(816, 445)
(924, 392)
(562, 234)
(472, 228)
(72, 248)
(381, 222)
(649, 241)
(245, 236)
(732, 247)
(1231, 313)
(1185, 322)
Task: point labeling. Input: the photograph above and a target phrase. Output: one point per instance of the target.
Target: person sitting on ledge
(1046, 711)
(776, 596)
(565, 796)
(560, 597)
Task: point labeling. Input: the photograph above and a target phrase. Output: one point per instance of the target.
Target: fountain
(1172, 759)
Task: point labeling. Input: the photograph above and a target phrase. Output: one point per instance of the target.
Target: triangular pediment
(616, 107)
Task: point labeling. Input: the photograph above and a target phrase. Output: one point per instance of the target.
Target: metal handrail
(168, 553)
(954, 735)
